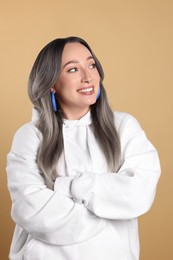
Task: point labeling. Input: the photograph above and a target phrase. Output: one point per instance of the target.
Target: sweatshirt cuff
(82, 187)
(63, 186)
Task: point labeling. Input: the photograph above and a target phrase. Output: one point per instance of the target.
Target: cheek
(97, 77)
(98, 82)
(67, 83)
(64, 89)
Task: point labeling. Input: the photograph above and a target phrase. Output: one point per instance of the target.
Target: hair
(43, 76)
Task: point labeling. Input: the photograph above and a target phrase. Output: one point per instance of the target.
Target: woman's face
(78, 83)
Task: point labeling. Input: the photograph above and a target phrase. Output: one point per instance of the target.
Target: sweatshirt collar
(35, 114)
(85, 120)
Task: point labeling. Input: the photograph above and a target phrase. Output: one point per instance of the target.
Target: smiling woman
(84, 173)
(78, 82)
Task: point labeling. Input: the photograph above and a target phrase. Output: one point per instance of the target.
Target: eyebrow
(76, 61)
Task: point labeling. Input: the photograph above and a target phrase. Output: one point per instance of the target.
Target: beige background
(134, 42)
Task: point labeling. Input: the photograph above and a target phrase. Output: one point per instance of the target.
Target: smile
(89, 90)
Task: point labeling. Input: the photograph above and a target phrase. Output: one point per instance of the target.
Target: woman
(79, 175)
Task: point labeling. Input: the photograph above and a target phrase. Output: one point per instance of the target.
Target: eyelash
(72, 70)
(93, 66)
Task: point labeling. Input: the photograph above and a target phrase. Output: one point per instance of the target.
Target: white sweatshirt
(91, 213)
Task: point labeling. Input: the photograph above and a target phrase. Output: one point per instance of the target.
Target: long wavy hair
(43, 76)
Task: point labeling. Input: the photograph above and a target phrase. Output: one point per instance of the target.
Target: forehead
(75, 51)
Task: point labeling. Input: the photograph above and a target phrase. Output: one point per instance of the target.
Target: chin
(88, 102)
(92, 101)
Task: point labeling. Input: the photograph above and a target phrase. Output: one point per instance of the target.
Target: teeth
(86, 90)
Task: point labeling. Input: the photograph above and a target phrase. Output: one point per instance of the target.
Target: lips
(86, 90)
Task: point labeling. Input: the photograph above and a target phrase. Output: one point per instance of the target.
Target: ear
(52, 89)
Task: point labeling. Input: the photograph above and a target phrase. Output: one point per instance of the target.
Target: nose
(86, 76)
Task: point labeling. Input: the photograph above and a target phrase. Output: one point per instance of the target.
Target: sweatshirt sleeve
(130, 192)
(48, 215)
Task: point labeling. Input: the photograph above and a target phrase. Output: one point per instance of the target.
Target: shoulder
(26, 139)
(126, 124)
(27, 129)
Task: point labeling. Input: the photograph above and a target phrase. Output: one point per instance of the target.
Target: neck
(75, 114)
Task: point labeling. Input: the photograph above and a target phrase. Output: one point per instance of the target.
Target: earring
(98, 94)
(54, 104)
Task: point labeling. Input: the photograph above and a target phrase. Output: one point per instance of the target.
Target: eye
(73, 70)
(92, 66)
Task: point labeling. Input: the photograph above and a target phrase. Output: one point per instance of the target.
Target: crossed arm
(80, 207)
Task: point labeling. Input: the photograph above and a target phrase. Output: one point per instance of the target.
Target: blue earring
(98, 94)
(54, 101)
